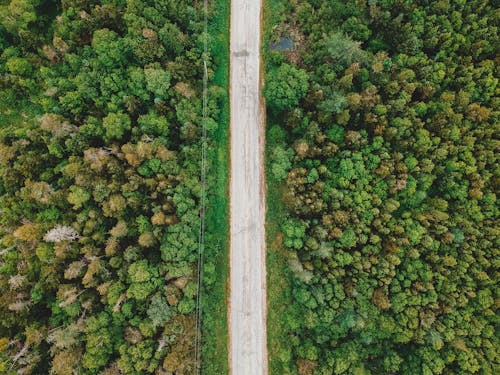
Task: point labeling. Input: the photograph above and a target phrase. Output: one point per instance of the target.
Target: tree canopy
(100, 108)
(385, 157)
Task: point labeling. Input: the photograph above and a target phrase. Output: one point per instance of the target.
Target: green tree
(285, 87)
(116, 125)
(144, 280)
(153, 124)
(159, 311)
(78, 196)
(99, 342)
(17, 15)
(345, 51)
(157, 82)
(280, 162)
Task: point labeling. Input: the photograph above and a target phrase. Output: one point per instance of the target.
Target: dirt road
(247, 305)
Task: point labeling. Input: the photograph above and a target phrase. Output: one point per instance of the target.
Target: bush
(285, 87)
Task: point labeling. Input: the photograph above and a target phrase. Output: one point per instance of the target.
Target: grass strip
(214, 351)
(278, 273)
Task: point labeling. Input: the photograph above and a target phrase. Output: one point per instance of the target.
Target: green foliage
(344, 50)
(281, 162)
(158, 82)
(348, 239)
(138, 358)
(153, 124)
(294, 232)
(99, 109)
(285, 87)
(186, 306)
(16, 15)
(115, 126)
(336, 134)
(335, 103)
(18, 66)
(77, 197)
(159, 311)
(99, 342)
(214, 350)
(144, 280)
(388, 190)
(108, 47)
(150, 167)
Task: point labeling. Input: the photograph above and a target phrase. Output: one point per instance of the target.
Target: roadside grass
(278, 274)
(278, 282)
(215, 294)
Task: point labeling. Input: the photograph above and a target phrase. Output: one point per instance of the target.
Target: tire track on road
(247, 304)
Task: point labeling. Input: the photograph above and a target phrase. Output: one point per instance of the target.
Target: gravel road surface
(247, 305)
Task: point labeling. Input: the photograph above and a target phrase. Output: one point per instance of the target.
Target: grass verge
(214, 351)
(278, 274)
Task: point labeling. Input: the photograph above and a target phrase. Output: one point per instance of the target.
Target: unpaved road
(247, 304)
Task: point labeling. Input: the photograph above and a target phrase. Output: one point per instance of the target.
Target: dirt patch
(278, 240)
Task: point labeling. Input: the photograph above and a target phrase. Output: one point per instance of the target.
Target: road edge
(230, 200)
(263, 187)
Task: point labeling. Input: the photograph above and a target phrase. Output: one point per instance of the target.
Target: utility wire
(201, 236)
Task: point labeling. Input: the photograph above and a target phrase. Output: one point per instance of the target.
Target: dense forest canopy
(383, 135)
(383, 124)
(99, 184)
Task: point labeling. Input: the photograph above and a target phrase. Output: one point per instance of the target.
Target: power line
(201, 236)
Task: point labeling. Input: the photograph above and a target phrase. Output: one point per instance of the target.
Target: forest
(100, 150)
(382, 151)
(382, 144)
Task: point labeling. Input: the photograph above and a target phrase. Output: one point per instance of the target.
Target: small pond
(284, 44)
